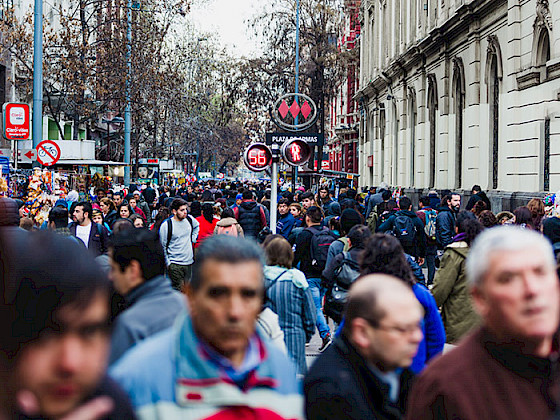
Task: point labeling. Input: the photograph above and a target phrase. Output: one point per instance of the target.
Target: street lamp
(115, 120)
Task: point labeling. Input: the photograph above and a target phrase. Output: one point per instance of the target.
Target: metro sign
(16, 121)
(294, 112)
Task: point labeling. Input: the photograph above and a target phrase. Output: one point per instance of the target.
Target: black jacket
(99, 241)
(419, 248)
(341, 386)
(445, 226)
(251, 218)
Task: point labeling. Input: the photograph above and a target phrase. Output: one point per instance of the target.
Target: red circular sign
(296, 152)
(258, 157)
(48, 153)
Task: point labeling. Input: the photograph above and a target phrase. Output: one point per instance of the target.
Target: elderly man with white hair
(508, 368)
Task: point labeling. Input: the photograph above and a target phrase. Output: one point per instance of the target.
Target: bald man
(364, 374)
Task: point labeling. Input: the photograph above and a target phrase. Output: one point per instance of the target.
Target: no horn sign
(48, 153)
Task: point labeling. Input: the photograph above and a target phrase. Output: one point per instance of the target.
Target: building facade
(461, 92)
(343, 110)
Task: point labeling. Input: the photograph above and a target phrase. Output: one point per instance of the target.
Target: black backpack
(170, 231)
(320, 242)
(344, 275)
(404, 230)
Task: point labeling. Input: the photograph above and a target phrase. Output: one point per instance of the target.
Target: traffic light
(296, 152)
(258, 157)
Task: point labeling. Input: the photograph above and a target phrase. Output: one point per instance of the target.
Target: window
(382, 141)
(432, 119)
(412, 121)
(458, 108)
(494, 102)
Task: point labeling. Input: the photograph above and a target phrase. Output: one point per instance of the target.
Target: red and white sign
(325, 164)
(48, 153)
(16, 121)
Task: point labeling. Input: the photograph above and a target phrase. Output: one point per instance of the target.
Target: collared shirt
(391, 378)
(236, 374)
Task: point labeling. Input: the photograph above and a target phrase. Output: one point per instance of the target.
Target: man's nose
(70, 355)
(236, 307)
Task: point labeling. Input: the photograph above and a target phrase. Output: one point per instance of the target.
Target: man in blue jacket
(213, 363)
(286, 221)
(445, 222)
(137, 272)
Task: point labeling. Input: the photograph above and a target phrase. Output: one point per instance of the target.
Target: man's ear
(358, 333)
(479, 301)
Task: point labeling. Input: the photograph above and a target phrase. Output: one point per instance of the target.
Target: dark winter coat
(99, 242)
(445, 226)
(9, 212)
(341, 386)
(251, 217)
(419, 248)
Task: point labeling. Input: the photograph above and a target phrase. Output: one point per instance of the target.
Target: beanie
(348, 219)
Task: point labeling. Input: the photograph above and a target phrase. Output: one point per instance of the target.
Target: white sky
(227, 18)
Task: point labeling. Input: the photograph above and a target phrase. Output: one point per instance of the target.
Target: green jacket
(452, 293)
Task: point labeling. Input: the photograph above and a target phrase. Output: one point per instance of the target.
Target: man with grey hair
(507, 368)
(212, 362)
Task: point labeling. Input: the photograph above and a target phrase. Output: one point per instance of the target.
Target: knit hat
(239, 197)
(348, 219)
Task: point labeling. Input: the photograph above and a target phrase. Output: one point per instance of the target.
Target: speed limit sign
(48, 153)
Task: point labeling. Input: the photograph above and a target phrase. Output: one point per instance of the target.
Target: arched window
(432, 119)
(494, 72)
(543, 48)
(458, 93)
(395, 180)
(382, 143)
(413, 116)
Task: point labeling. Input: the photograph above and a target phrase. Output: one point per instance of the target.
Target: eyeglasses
(399, 329)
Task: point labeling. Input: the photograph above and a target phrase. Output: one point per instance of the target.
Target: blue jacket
(168, 376)
(152, 307)
(445, 226)
(432, 327)
(285, 225)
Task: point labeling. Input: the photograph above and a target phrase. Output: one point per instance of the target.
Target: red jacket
(205, 229)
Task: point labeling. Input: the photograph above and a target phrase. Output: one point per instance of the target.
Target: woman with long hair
(162, 215)
(207, 223)
(523, 218)
(109, 211)
(385, 254)
(287, 294)
(536, 207)
(451, 289)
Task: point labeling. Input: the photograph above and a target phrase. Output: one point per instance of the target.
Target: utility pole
(295, 168)
(38, 74)
(127, 92)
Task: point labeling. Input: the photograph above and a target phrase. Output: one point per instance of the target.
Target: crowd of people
(181, 302)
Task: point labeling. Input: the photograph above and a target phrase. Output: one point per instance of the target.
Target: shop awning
(91, 162)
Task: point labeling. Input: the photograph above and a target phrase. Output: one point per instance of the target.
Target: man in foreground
(364, 374)
(212, 363)
(507, 368)
(54, 335)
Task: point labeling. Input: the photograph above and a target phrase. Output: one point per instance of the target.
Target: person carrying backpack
(310, 252)
(342, 271)
(228, 224)
(408, 229)
(428, 217)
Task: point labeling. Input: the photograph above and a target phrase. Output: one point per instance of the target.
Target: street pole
(295, 168)
(38, 74)
(274, 187)
(128, 77)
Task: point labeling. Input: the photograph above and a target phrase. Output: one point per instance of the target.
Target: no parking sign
(48, 153)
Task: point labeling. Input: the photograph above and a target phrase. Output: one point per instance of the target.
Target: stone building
(343, 110)
(461, 92)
